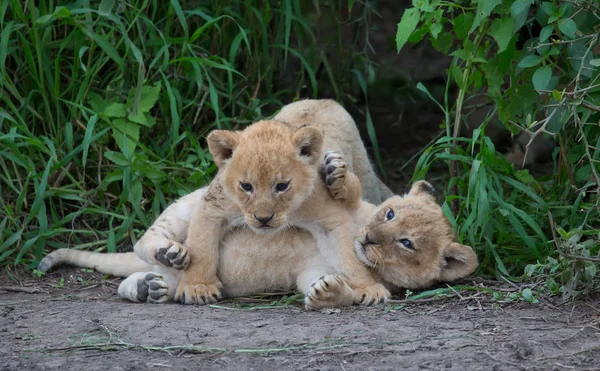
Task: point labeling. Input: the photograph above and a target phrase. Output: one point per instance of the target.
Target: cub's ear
(423, 188)
(221, 144)
(309, 142)
(458, 261)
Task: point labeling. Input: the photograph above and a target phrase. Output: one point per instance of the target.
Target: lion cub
(268, 181)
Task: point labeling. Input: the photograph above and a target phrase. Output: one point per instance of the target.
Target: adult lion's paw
(193, 293)
(173, 255)
(371, 295)
(333, 171)
(328, 292)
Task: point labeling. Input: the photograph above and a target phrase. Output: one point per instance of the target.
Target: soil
(84, 325)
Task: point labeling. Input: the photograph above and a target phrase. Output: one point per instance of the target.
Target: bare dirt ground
(84, 325)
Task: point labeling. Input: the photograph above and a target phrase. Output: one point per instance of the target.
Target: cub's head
(411, 244)
(268, 170)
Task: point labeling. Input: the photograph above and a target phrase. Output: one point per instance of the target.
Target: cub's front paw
(371, 295)
(333, 171)
(173, 255)
(328, 292)
(198, 293)
(152, 289)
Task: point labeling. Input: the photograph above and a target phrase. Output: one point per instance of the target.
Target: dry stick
(586, 145)
(29, 290)
(419, 301)
(559, 249)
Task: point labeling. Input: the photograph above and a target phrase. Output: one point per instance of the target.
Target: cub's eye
(389, 215)
(280, 187)
(406, 243)
(246, 187)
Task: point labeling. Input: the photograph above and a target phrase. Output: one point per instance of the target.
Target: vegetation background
(104, 106)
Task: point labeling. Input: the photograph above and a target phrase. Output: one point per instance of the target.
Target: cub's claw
(152, 289)
(333, 171)
(175, 255)
(371, 295)
(198, 293)
(328, 292)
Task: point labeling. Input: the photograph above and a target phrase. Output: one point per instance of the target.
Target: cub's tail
(117, 264)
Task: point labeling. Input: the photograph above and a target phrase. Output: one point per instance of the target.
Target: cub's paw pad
(198, 293)
(371, 295)
(333, 171)
(324, 292)
(152, 289)
(174, 255)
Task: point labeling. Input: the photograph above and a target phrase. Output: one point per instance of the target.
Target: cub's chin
(265, 230)
(361, 254)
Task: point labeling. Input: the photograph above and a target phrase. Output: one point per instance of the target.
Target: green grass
(104, 107)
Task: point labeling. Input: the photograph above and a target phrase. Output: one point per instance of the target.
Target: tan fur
(262, 157)
(250, 263)
(435, 255)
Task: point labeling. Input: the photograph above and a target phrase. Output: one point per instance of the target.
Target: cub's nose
(264, 219)
(368, 240)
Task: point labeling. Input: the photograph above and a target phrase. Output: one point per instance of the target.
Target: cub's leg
(322, 287)
(162, 243)
(199, 284)
(149, 287)
(367, 290)
(342, 183)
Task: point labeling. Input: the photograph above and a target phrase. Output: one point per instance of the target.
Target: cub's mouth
(360, 248)
(264, 228)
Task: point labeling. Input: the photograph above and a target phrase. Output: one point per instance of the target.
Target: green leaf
(568, 27)
(138, 118)
(519, 11)
(59, 12)
(117, 158)
(149, 97)
(435, 30)
(115, 110)
(87, 139)
(126, 134)
(106, 7)
(541, 78)
(524, 176)
(484, 9)
(502, 31)
(407, 25)
(528, 295)
(530, 61)
(545, 33)
(548, 8)
(595, 62)
(105, 45)
(423, 5)
(82, 51)
(462, 23)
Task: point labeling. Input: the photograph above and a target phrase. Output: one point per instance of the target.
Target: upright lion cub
(268, 181)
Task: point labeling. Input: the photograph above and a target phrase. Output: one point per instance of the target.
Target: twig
(592, 349)
(29, 290)
(419, 301)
